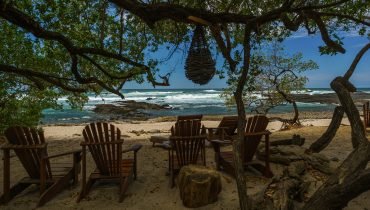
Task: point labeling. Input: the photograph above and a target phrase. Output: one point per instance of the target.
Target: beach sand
(151, 190)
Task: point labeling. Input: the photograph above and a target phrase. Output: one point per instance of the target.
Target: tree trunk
(245, 204)
(350, 179)
(329, 134)
(198, 186)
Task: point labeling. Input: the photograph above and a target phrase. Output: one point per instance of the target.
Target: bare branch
(357, 59)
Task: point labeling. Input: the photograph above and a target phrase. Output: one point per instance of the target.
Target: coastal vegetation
(68, 48)
(274, 76)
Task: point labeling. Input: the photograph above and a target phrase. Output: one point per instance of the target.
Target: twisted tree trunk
(329, 134)
(351, 178)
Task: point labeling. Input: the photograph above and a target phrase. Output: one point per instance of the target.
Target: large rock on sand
(198, 185)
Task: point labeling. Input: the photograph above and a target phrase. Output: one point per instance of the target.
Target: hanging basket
(199, 66)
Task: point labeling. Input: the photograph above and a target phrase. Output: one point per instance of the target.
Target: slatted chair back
(229, 122)
(188, 141)
(105, 144)
(254, 124)
(30, 158)
(366, 112)
(190, 117)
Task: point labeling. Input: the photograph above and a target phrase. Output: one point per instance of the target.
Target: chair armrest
(221, 142)
(188, 137)
(63, 154)
(166, 146)
(13, 146)
(211, 129)
(84, 143)
(266, 132)
(134, 148)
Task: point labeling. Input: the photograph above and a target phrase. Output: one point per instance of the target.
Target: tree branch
(357, 59)
(58, 81)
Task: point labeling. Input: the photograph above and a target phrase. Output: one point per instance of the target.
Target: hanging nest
(199, 66)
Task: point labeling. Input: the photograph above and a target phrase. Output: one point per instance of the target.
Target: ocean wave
(194, 98)
(212, 91)
(319, 92)
(93, 99)
(314, 104)
(152, 93)
(208, 105)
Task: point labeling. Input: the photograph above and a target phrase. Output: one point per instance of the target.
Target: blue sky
(329, 66)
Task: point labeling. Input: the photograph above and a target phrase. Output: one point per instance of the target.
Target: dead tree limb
(330, 132)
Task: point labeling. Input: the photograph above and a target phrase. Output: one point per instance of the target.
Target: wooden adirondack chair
(366, 112)
(255, 130)
(187, 143)
(164, 140)
(30, 147)
(190, 117)
(105, 144)
(225, 130)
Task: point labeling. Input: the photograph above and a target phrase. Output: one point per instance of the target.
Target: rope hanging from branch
(199, 66)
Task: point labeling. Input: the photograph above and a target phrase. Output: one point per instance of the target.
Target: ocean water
(183, 101)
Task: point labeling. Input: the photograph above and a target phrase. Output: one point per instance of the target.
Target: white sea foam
(151, 93)
(318, 92)
(212, 91)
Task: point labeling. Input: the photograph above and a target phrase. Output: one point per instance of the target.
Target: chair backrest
(188, 141)
(190, 117)
(254, 124)
(366, 112)
(229, 122)
(105, 144)
(25, 137)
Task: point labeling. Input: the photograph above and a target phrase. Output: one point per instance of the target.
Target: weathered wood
(254, 131)
(225, 129)
(105, 144)
(198, 186)
(290, 187)
(295, 140)
(285, 154)
(187, 146)
(30, 147)
(351, 178)
(366, 114)
(322, 142)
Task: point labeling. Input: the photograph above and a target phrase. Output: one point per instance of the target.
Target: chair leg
(55, 188)
(135, 166)
(125, 181)
(12, 192)
(85, 190)
(217, 160)
(76, 167)
(6, 178)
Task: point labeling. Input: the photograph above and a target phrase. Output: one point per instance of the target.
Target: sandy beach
(151, 190)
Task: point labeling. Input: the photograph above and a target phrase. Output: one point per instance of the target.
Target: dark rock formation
(330, 98)
(128, 108)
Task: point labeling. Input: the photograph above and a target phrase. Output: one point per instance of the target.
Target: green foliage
(274, 76)
(102, 24)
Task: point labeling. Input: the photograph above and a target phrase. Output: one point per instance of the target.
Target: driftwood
(329, 134)
(295, 140)
(198, 185)
(288, 188)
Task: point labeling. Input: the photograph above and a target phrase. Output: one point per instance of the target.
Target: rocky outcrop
(330, 98)
(130, 108)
